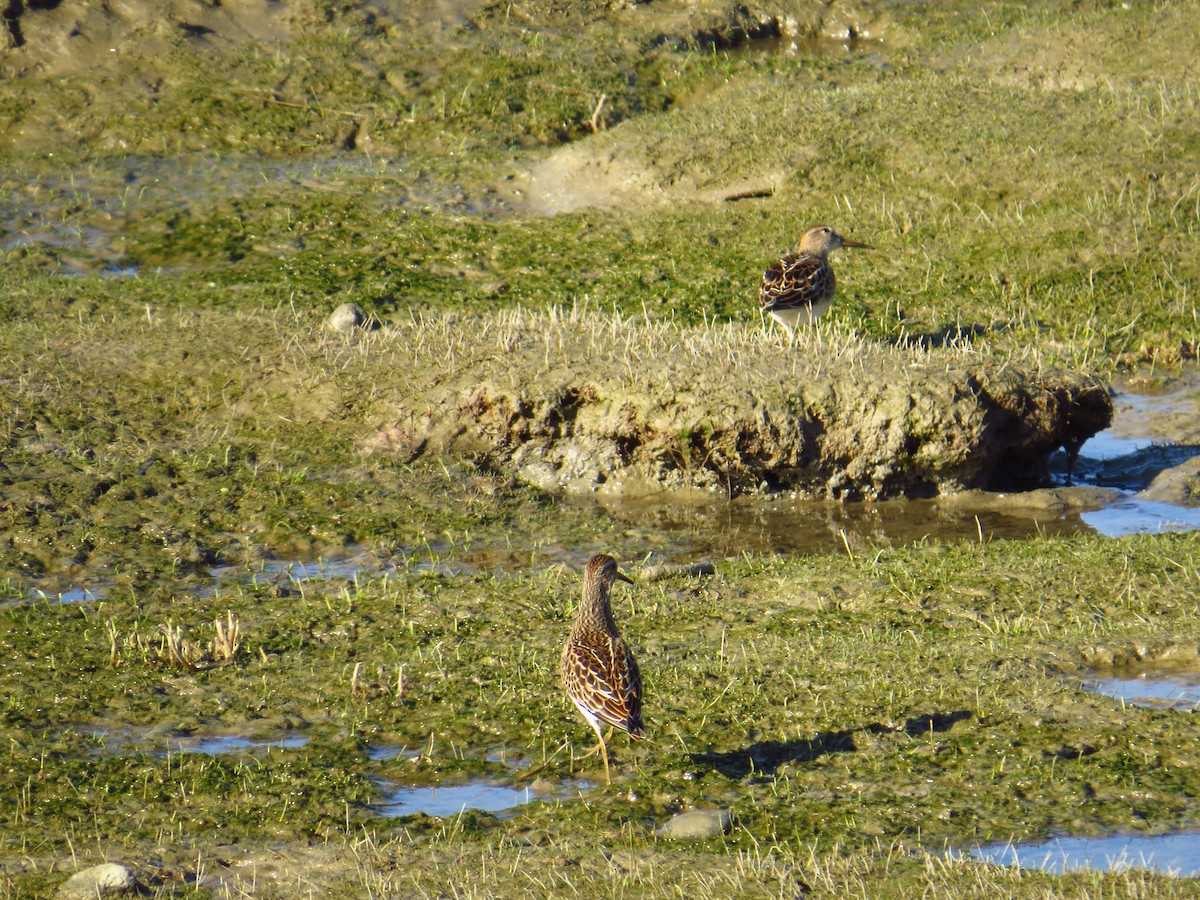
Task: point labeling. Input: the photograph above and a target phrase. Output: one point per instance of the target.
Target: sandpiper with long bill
(598, 670)
(798, 289)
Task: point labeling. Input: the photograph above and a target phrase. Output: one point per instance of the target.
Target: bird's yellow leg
(604, 754)
(606, 739)
(603, 748)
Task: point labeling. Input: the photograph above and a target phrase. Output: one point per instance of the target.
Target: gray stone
(543, 787)
(349, 317)
(1057, 501)
(1179, 484)
(697, 825)
(104, 880)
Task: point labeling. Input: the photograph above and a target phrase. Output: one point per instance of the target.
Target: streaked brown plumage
(799, 288)
(598, 671)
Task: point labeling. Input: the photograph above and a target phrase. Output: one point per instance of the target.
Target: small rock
(105, 880)
(1180, 484)
(697, 824)
(347, 317)
(543, 787)
(1061, 500)
(541, 475)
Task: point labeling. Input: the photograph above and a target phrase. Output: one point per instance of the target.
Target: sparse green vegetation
(875, 709)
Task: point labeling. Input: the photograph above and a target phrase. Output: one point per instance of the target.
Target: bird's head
(603, 569)
(822, 240)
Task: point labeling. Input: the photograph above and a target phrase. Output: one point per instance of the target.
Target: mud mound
(589, 403)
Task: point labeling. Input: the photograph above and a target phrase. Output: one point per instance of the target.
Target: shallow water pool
(1175, 854)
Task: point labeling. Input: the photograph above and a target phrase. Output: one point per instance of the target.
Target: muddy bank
(586, 403)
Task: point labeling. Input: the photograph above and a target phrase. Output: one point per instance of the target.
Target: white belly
(800, 316)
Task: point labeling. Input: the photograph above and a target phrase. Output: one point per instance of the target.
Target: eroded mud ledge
(582, 403)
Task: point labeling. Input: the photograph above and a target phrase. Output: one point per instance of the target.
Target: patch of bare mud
(584, 175)
(613, 172)
(621, 169)
(1161, 412)
(1153, 446)
(59, 39)
(281, 870)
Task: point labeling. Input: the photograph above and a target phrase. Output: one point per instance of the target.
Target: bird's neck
(595, 611)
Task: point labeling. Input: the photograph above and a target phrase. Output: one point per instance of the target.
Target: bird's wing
(794, 281)
(603, 676)
(627, 680)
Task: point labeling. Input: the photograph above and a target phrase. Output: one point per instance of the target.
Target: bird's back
(797, 281)
(601, 676)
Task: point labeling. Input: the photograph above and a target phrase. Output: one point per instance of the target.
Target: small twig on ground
(597, 122)
(752, 194)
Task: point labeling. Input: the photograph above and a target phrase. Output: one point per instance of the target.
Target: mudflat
(262, 577)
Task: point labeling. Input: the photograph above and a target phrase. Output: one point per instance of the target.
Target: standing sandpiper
(598, 671)
(799, 288)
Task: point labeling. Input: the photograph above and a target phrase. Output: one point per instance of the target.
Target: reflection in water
(45, 595)
(226, 746)
(436, 558)
(1133, 515)
(276, 570)
(485, 796)
(1107, 446)
(450, 801)
(1177, 854)
(386, 752)
(1149, 435)
(79, 595)
(158, 741)
(1155, 690)
(753, 525)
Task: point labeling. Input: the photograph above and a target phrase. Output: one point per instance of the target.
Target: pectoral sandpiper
(598, 670)
(799, 288)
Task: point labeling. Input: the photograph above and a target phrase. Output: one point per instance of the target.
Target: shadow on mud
(954, 335)
(766, 756)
